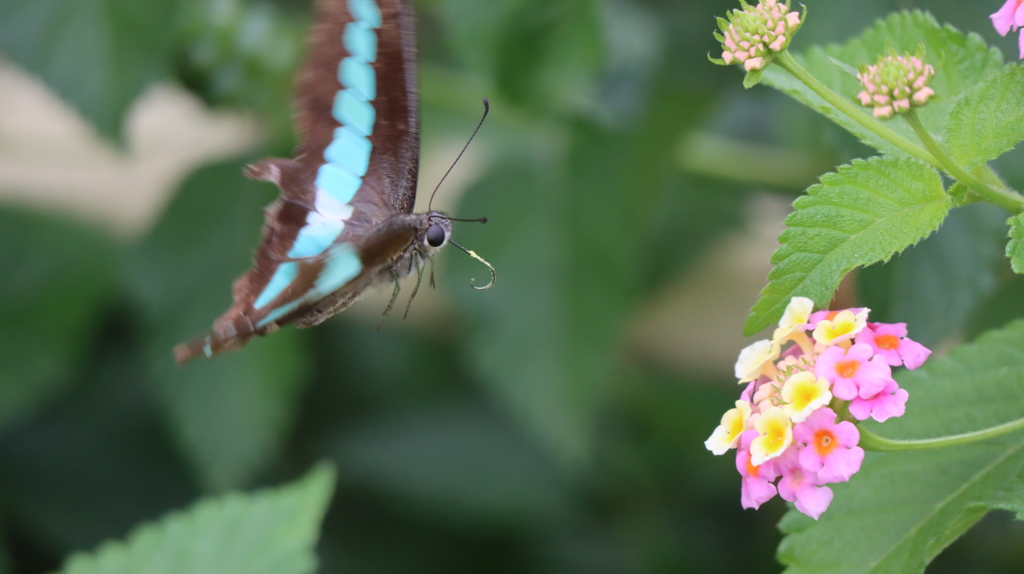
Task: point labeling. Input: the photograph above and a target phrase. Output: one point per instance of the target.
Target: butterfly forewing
(356, 166)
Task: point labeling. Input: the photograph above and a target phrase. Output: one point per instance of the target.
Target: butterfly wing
(355, 167)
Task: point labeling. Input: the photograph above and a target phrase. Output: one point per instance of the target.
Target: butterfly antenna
(473, 254)
(487, 108)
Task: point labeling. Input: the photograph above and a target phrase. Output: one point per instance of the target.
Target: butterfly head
(435, 234)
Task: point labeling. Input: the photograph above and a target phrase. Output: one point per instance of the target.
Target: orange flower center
(887, 342)
(825, 442)
(847, 369)
(752, 470)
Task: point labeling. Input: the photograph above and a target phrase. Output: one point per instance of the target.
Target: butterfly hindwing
(355, 168)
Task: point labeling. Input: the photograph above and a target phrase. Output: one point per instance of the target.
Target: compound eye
(435, 235)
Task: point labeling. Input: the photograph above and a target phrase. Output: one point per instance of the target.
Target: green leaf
(97, 54)
(866, 212)
(987, 120)
(902, 509)
(230, 414)
(955, 270)
(961, 62)
(1015, 247)
(59, 277)
(273, 530)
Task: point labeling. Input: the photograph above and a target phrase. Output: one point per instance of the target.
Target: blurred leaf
(1014, 247)
(468, 465)
(473, 28)
(549, 52)
(520, 347)
(902, 509)
(231, 414)
(574, 245)
(961, 61)
(935, 285)
(988, 119)
(58, 278)
(273, 531)
(97, 462)
(244, 53)
(866, 212)
(1005, 305)
(5, 558)
(97, 54)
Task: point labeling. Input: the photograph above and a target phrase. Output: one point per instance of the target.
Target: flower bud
(751, 36)
(895, 84)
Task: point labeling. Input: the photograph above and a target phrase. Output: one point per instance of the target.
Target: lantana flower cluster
(752, 35)
(895, 84)
(793, 426)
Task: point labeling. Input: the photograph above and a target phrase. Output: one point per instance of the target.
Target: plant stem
(873, 442)
(789, 63)
(1008, 200)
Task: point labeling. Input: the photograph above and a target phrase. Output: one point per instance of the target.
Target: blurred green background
(554, 423)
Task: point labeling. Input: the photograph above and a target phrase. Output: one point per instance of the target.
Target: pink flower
(889, 402)
(801, 486)
(1010, 17)
(891, 342)
(748, 392)
(831, 449)
(757, 487)
(854, 373)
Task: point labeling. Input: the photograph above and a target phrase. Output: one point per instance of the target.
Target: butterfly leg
(415, 290)
(394, 297)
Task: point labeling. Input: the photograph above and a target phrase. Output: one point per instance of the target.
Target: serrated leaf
(97, 54)
(866, 212)
(987, 120)
(58, 277)
(1015, 246)
(961, 61)
(906, 507)
(232, 414)
(272, 531)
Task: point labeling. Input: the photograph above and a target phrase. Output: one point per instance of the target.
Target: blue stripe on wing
(342, 265)
(347, 159)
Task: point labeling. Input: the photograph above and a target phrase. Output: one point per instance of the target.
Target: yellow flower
(776, 434)
(734, 422)
(804, 394)
(756, 360)
(841, 328)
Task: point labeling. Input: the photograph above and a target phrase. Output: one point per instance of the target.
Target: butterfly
(343, 220)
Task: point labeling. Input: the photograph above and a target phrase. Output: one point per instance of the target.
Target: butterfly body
(343, 221)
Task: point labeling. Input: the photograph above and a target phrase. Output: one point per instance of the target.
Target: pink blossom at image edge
(1010, 18)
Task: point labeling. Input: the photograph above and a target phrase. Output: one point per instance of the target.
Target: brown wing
(387, 188)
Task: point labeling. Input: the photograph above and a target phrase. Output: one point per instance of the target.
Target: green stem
(789, 63)
(1006, 199)
(873, 442)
